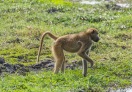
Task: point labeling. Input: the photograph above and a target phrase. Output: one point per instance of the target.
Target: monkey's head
(93, 34)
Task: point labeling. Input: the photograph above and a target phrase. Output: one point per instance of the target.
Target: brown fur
(75, 43)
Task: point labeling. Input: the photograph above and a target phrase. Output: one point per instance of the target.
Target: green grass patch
(23, 22)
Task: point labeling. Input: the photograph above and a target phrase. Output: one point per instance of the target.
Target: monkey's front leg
(84, 56)
(84, 64)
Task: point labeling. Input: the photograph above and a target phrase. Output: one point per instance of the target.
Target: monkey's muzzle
(96, 40)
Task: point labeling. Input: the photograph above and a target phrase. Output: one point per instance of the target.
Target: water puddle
(89, 2)
(122, 90)
(123, 5)
(93, 2)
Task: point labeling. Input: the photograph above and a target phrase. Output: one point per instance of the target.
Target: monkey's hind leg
(63, 66)
(59, 57)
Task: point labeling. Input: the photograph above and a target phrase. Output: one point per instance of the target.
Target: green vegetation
(21, 25)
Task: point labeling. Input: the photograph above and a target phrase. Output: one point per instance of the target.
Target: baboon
(75, 43)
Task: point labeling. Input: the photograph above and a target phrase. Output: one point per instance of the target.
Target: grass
(22, 24)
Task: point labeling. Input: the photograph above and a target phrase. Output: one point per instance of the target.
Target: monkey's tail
(41, 42)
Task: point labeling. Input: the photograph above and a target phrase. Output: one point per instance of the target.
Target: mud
(44, 64)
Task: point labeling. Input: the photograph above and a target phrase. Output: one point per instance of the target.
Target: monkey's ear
(93, 31)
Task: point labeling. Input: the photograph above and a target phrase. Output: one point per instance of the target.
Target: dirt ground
(44, 64)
